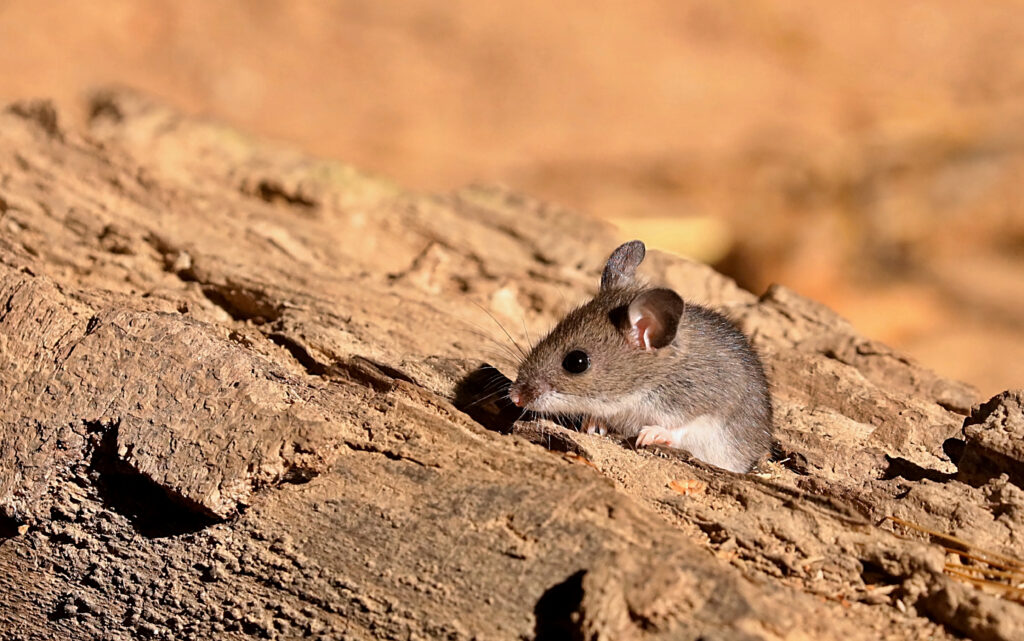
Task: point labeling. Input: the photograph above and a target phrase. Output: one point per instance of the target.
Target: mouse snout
(522, 394)
(517, 395)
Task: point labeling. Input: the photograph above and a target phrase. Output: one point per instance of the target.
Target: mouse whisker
(514, 358)
(529, 341)
(507, 353)
(517, 345)
(483, 399)
(494, 378)
(481, 332)
(565, 301)
(489, 393)
(478, 330)
(496, 384)
(503, 358)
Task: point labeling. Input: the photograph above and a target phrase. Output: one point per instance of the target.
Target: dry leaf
(576, 458)
(688, 487)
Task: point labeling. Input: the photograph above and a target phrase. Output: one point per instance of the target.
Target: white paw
(654, 435)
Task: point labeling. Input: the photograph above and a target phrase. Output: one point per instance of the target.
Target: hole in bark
(299, 353)
(8, 526)
(483, 395)
(872, 573)
(793, 461)
(274, 193)
(557, 611)
(954, 449)
(104, 106)
(243, 303)
(151, 509)
(377, 376)
(297, 475)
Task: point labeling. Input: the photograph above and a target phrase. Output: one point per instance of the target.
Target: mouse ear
(622, 264)
(653, 319)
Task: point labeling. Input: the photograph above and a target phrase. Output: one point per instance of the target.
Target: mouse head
(605, 352)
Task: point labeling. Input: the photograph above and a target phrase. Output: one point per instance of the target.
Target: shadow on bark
(557, 611)
(152, 510)
(483, 395)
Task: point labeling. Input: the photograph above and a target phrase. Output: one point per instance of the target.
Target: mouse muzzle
(522, 393)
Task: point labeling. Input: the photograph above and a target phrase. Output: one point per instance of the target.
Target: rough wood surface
(244, 395)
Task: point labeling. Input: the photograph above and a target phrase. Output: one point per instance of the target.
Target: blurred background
(869, 154)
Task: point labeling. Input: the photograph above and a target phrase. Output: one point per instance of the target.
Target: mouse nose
(522, 394)
(519, 395)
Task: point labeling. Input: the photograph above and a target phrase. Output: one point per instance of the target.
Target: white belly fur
(707, 439)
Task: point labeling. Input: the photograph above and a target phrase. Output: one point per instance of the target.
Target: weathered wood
(228, 386)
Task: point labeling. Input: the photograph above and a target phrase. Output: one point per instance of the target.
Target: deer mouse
(639, 361)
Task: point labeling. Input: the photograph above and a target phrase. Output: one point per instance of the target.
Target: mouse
(639, 361)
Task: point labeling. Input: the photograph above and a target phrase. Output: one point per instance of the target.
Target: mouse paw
(654, 435)
(592, 426)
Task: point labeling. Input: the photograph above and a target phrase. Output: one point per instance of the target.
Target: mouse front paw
(654, 435)
(593, 426)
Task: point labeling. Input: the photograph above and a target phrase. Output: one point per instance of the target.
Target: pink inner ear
(642, 328)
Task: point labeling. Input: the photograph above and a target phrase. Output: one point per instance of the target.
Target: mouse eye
(576, 362)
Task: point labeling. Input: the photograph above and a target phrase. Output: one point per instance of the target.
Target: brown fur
(709, 368)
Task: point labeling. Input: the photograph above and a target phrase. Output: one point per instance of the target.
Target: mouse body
(639, 361)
